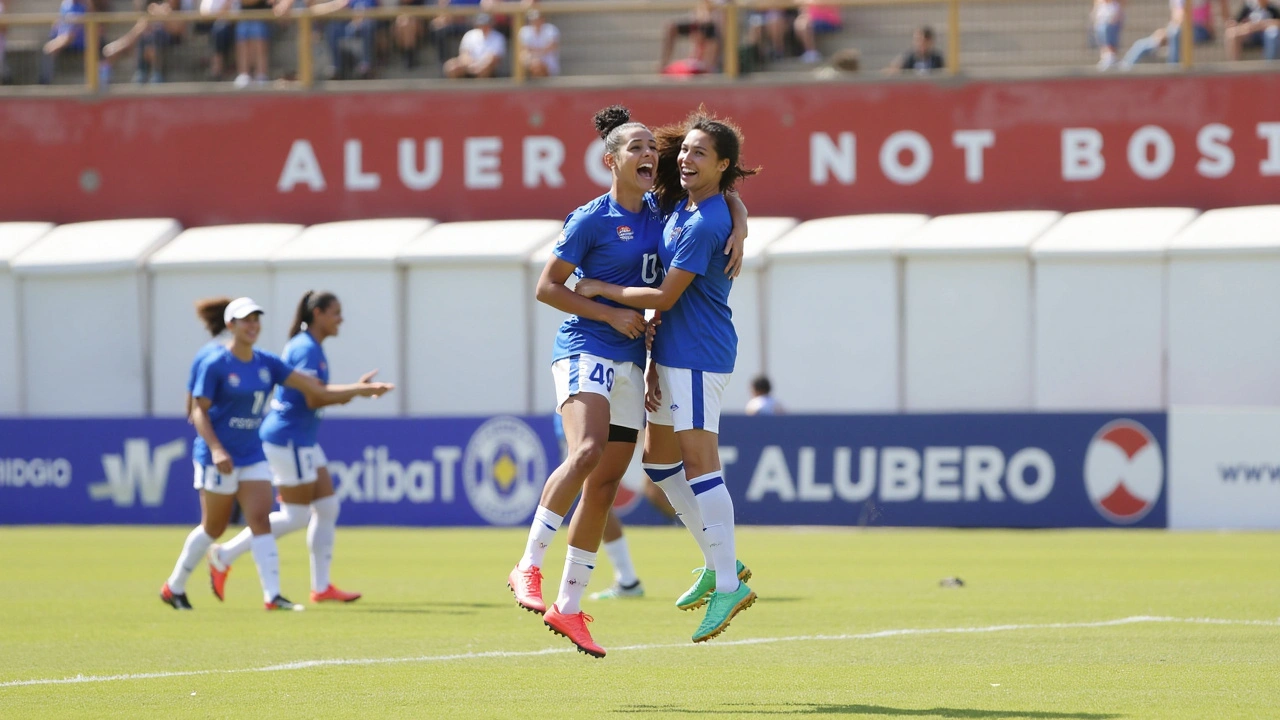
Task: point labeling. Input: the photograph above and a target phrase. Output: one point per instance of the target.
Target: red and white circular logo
(626, 500)
(1123, 471)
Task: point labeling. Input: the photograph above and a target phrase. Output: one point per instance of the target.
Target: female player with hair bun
(298, 464)
(598, 368)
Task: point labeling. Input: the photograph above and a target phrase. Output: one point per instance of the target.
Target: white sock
(671, 479)
(541, 532)
(320, 536)
(578, 565)
(283, 521)
(198, 542)
(267, 559)
(624, 573)
(717, 512)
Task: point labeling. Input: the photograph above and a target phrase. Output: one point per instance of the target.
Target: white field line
(900, 632)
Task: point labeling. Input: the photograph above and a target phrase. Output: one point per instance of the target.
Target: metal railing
(732, 26)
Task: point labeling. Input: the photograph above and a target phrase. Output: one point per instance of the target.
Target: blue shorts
(253, 30)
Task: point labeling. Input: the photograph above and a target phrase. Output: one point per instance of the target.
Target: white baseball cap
(239, 309)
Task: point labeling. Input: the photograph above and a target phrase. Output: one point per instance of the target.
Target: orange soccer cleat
(218, 572)
(527, 587)
(573, 627)
(333, 594)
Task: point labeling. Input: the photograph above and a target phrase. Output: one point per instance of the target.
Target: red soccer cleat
(573, 627)
(333, 594)
(527, 587)
(218, 572)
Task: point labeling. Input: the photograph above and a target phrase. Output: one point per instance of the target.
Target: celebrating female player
(298, 464)
(231, 390)
(597, 368)
(694, 352)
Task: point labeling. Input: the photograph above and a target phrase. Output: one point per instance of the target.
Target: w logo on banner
(138, 472)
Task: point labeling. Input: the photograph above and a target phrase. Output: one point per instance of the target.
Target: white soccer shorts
(690, 399)
(621, 382)
(292, 466)
(210, 480)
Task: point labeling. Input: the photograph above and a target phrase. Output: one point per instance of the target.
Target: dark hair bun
(609, 118)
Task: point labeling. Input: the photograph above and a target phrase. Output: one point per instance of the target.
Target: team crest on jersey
(264, 375)
(625, 233)
(233, 380)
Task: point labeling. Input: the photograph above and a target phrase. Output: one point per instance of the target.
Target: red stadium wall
(473, 153)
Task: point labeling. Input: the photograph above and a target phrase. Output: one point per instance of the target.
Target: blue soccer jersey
(607, 242)
(239, 392)
(291, 421)
(210, 348)
(697, 332)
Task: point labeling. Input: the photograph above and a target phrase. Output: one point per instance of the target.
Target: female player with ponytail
(298, 464)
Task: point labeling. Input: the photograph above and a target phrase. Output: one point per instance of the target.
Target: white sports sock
(320, 537)
(624, 573)
(671, 479)
(266, 557)
(578, 565)
(541, 532)
(283, 521)
(717, 512)
(197, 543)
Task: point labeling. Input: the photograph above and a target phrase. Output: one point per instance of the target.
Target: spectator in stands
(252, 46)
(540, 46)
(448, 26)
(703, 30)
(1257, 25)
(66, 35)
(762, 401)
(1171, 33)
(767, 32)
(152, 39)
(359, 27)
(815, 19)
(222, 35)
(1108, 19)
(923, 58)
(481, 52)
(4, 69)
(407, 31)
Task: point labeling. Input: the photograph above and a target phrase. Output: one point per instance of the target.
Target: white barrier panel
(84, 316)
(14, 238)
(469, 308)
(357, 262)
(831, 323)
(1224, 309)
(222, 260)
(1100, 311)
(1224, 468)
(747, 301)
(967, 311)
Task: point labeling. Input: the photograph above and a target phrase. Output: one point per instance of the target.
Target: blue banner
(972, 470)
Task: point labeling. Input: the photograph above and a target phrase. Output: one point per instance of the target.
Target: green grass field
(438, 635)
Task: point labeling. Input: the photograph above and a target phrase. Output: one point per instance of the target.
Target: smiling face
(246, 330)
(326, 320)
(701, 167)
(635, 165)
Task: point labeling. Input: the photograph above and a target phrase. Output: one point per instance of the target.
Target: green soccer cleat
(617, 591)
(721, 609)
(696, 596)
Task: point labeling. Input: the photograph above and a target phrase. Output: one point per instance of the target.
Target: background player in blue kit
(210, 311)
(231, 391)
(599, 355)
(298, 464)
(694, 353)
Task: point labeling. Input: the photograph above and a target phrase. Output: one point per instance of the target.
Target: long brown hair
(210, 311)
(725, 136)
(311, 302)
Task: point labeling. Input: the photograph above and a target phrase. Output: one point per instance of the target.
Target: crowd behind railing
(460, 39)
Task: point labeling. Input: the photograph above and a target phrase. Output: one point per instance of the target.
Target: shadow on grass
(864, 710)
(424, 608)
